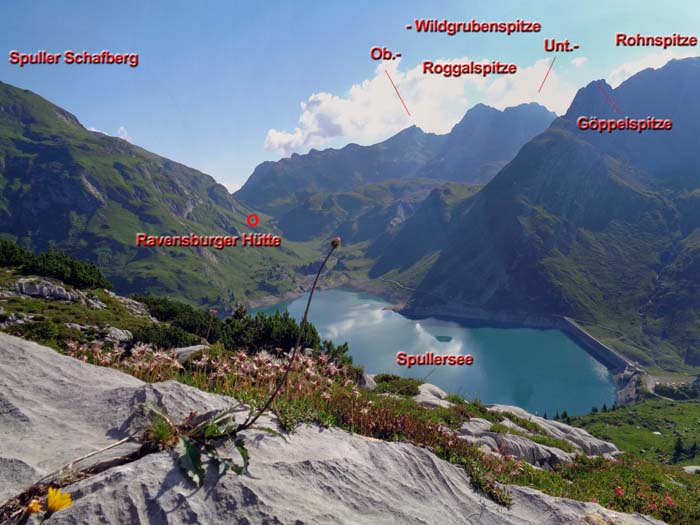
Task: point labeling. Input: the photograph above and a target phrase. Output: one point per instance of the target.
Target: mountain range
(513, 211)
(89, 194)
(476, 148)
(604, 228)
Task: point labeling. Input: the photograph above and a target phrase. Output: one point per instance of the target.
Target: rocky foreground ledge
(54, 408)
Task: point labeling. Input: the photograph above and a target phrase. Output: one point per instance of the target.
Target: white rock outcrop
(590, 445)
(478, 431)
(56, 290)
(54, 408)
(431, 396)
(183, 354)
(35, 287)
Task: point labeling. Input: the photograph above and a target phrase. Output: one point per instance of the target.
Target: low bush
(242, 330)
(164, 336)
(393, 384)
(52, 263)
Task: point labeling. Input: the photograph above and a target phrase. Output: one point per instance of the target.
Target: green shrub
(241, 330)
(199, 322)
(53, 263)
(393, 384)
(56, 264)
(11, 254)
(164, 336)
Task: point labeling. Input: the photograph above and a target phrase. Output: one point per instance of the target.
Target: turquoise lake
(542, 371)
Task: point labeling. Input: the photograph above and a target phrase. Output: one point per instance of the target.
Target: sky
(223, 85)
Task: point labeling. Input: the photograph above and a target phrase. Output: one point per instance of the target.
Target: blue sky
(216, 76)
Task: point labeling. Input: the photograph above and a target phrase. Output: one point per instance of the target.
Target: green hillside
(659, 430)
(601, 228)
(89, 194)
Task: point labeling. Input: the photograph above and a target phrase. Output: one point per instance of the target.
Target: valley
(358, 262)
(595, 228)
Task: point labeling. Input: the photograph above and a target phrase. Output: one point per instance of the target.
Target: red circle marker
(253, 220)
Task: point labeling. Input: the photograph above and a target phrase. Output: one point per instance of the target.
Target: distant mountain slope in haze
(358, 215)
(479, 145)
(601, 227)
(485, 140)
(277, 187)
(89, 194)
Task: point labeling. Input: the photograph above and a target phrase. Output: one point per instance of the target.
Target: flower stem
(250, 421)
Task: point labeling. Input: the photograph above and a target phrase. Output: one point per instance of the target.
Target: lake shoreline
(476, 318)
(470, 317)
(534, 369)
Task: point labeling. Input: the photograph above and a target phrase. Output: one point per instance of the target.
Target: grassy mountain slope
(651, 429)
(485, 140)
(277, 187)
(480, 144)
(89, 194)
(358, 215)
(599, 227)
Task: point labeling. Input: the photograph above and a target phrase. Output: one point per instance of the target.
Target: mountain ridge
(88, 194)
(584, 224)
(278, 187)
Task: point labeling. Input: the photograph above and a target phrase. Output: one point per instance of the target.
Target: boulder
(81, 327)
(478, 432)
(535, 454)
(55, 408)
(692, 469)
(590, 445)
(367, 382)
(475, 427)
(33, 287)
(183, 354)
(431, 396)
(135, 308)
(118, 335)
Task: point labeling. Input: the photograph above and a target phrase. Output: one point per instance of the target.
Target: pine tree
(605, 408)
(565, 417)
(677, 449)
(594, 410)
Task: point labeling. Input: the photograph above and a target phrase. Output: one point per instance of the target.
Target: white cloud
(579, 61)
(232, 187)
(90, 128)
(371, 111)
(654, 60)
(123, 134)
(511, 90)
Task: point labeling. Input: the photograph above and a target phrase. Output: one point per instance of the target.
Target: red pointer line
(612, 103)
(397, 92)
(547, 74)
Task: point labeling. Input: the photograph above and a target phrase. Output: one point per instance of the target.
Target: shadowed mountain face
(485, 140)
(89, 194)
(476, 148)
(601, 227)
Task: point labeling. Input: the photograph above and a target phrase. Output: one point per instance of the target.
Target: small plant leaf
(212, 431)
(190, 459)
(269, 431)
(240, 446)
(224, 465)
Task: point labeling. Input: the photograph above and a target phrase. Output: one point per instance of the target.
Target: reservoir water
(542, 371)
